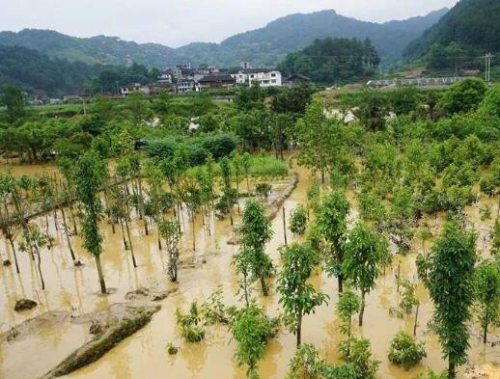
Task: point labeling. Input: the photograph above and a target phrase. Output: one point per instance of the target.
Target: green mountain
(35, 72)
(262, 47)
(95, 50)
(473, 25)
(270, 44)
(38, 73)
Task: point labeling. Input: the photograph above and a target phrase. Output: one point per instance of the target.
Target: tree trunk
(73, 218)
(245, 289)
(39, 266)
(125, 244)
(100, 274)
(66, 233)
(416, 320)
(263, 284)
(485, 334)
(193, 222)
(362, 310)
(13, 246)
(284, 226)
(299, 330)
(130, 242)
(452, 374)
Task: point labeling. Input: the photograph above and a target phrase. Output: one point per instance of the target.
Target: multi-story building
(265, 78)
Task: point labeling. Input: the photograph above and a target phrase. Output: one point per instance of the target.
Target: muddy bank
(101, 330)
(108, 331)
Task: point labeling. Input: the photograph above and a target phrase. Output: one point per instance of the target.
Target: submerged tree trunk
(130, 242)
(13, 246)
(68, 239)
(39, 266)
(299, 330)
(362, 310)
(125, 244)
(263, 284)
(284, 226)
(100, 274)
(452, 372)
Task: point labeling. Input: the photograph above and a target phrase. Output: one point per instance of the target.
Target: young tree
(364, 252)
(7, 184)
(297, 297)
(487, 284)
(226, 185)
(252, 261)
(333, 225)
(88, 184)
(251, 330)
(451, 287)
(13, 99)
(349, 304)
(34, 240)
(298, 221)
(171, 231)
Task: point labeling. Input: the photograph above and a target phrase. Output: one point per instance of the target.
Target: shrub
(404, 351)
(298, 221)
(192, 331)
(171, 349)
(263, 189)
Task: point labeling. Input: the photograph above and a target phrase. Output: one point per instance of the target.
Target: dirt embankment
(105, 329)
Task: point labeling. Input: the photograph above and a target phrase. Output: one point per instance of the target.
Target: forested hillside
(262, 47)
(35, 72)
(333, 60)
(474, 25)
(99, 49)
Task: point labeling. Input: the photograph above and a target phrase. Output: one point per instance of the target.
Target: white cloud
(178, 22)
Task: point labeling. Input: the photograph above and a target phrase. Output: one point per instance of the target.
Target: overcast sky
(178, 22)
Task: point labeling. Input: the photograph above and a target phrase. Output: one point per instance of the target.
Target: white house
(265, 78)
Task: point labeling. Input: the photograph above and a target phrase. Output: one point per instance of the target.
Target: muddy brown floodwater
(144, 356)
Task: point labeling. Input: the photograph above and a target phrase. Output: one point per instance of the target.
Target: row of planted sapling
(130, 189)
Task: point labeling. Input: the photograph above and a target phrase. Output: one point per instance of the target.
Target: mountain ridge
(265, 46)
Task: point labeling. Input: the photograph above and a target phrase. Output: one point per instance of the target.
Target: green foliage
(251, 330)
(172, 349)
(197, 150)
(190, 324)
(365, 252)
(464, 96)
(471, 24)
(332, 219)
(361, 360)
(171, 232)
(13, 99)
(333, 59)
(251, 261)
(432, 375)
(404, 351)
(487, 286)
(263, 189)
(88, 182)
(298, 221)
(297, 297)
(451, 287)
(495, 239)
(305, 364)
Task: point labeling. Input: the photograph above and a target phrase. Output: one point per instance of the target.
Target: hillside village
(185, 78)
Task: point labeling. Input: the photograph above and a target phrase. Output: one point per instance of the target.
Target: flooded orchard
(143, 355)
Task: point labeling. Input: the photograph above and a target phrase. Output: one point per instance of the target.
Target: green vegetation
(333, 60)
(297, 297)
(405, 351)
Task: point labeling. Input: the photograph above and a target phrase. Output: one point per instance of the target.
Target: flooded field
(144, 356)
